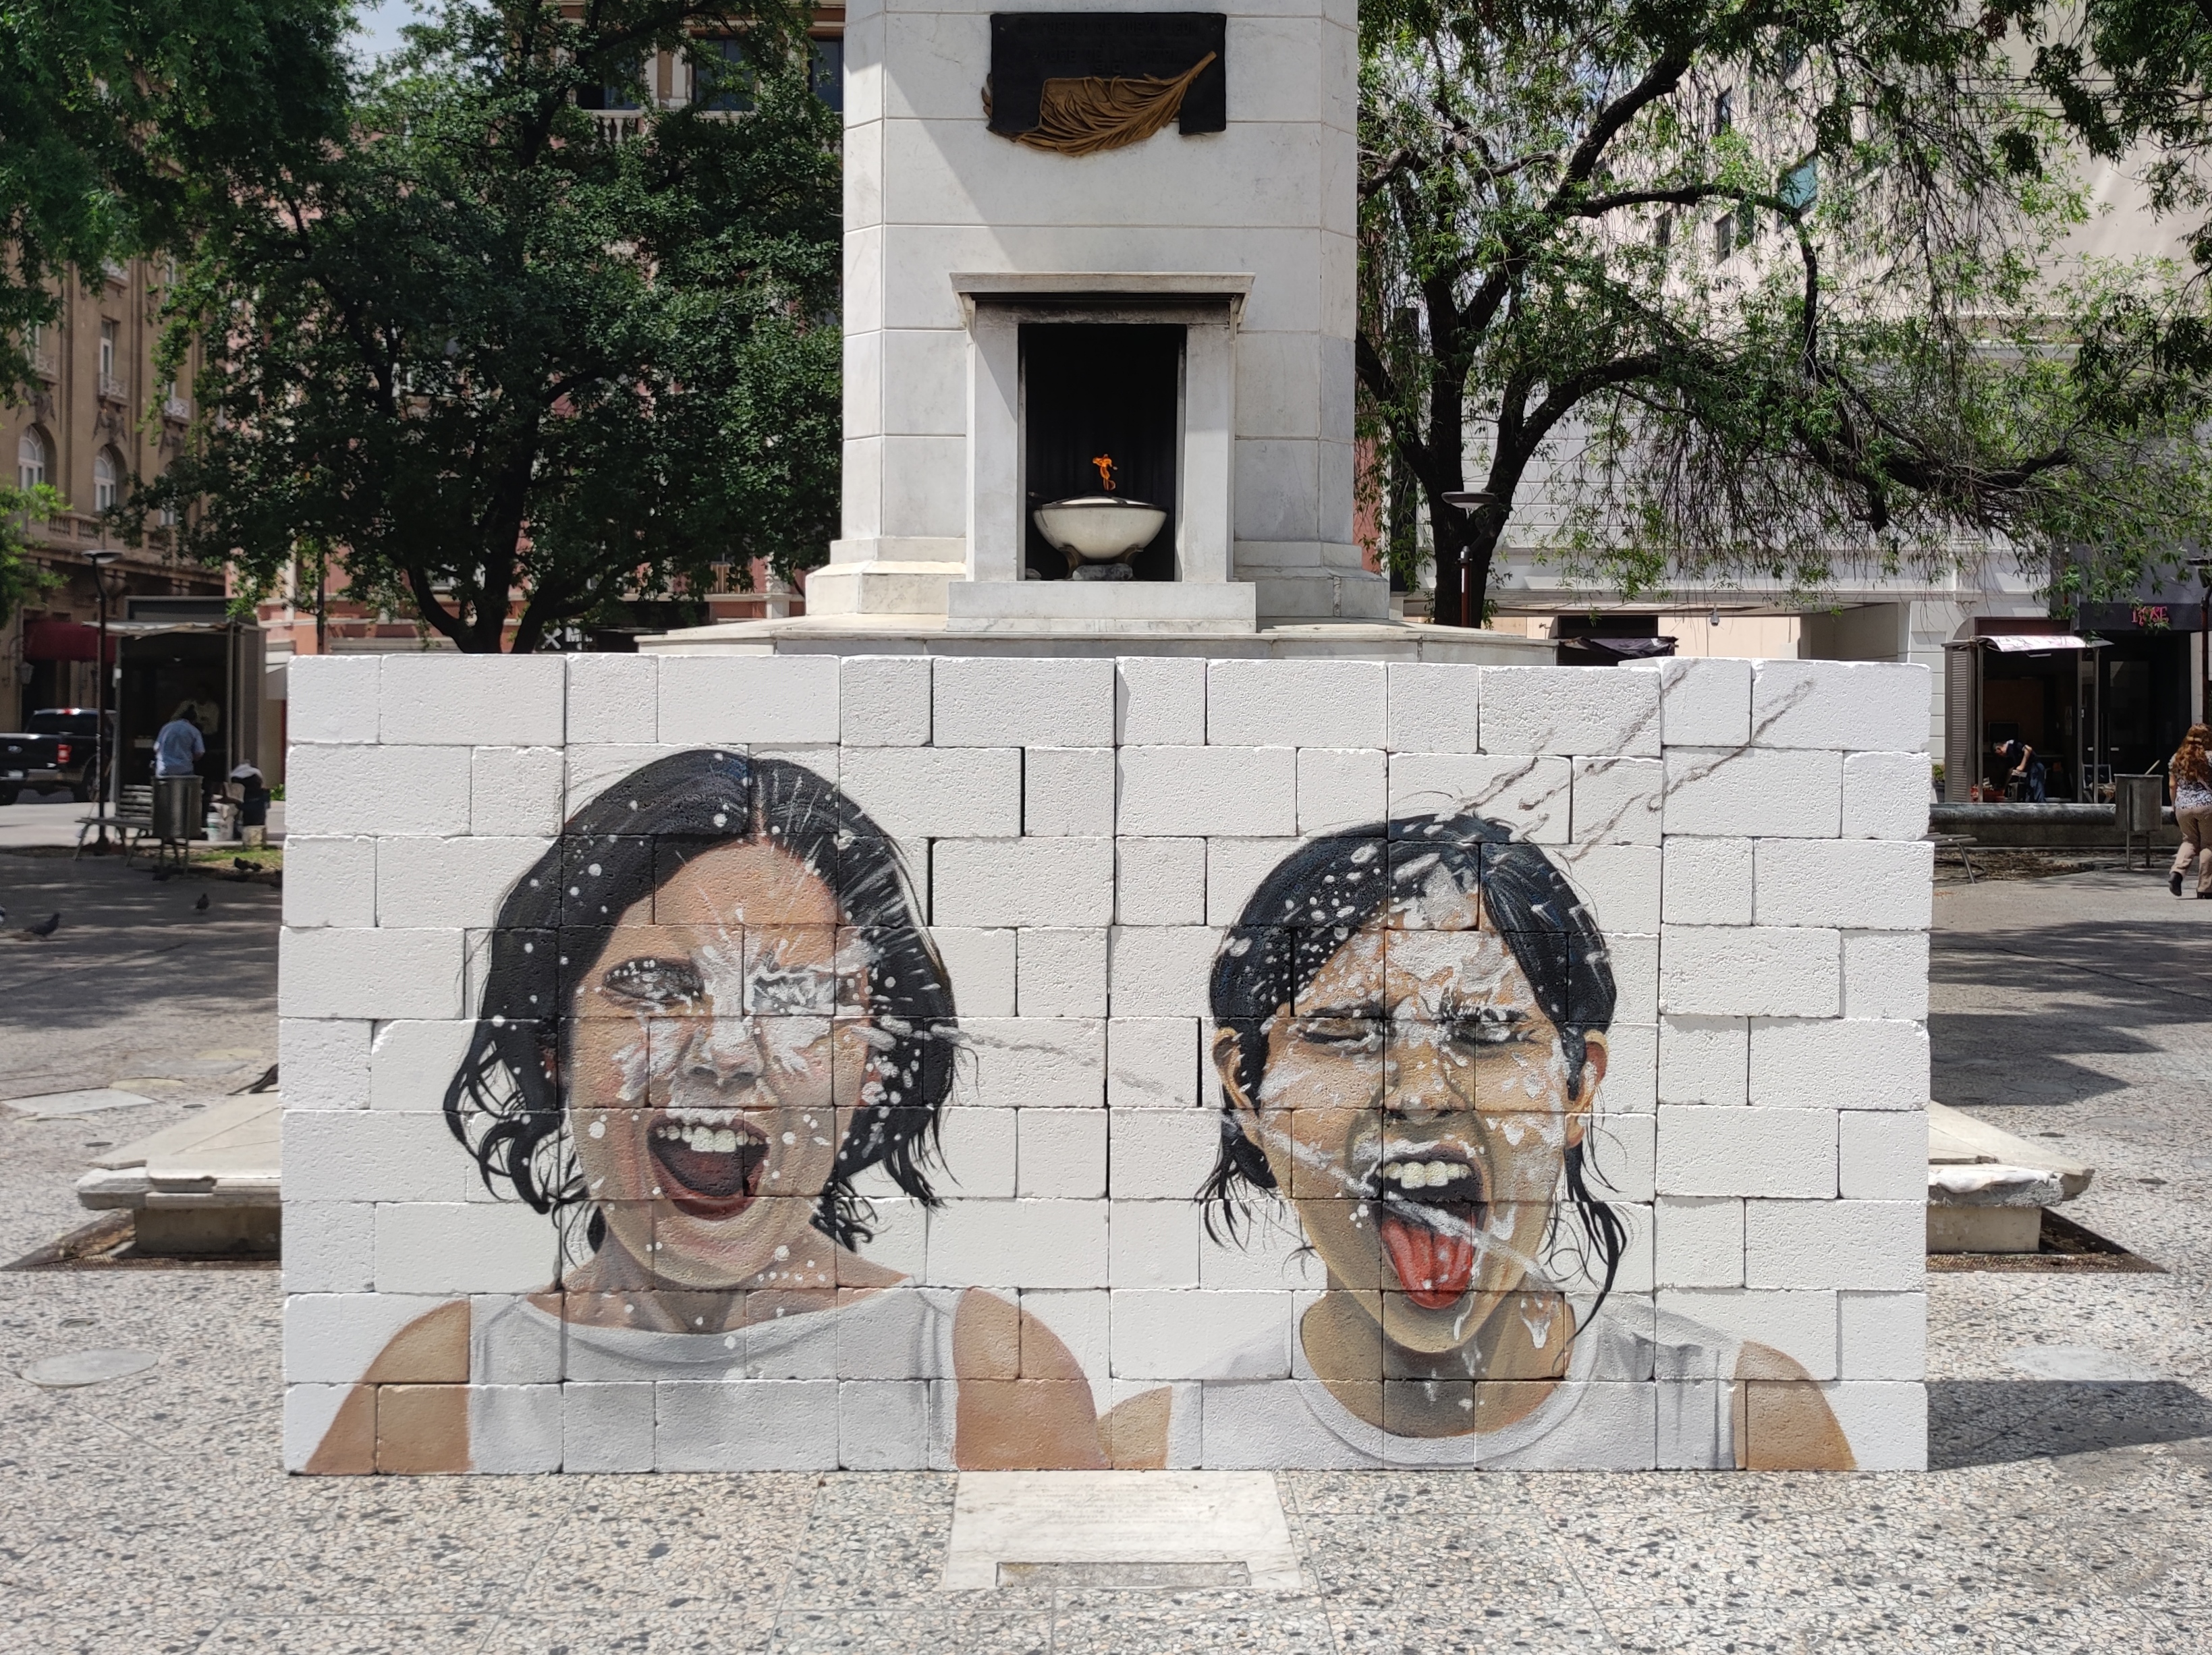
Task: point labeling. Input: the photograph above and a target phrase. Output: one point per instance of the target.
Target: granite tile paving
(150, 1514)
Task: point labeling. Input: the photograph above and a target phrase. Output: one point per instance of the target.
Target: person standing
(178, 748)
(2189, 773)
(2027, 769)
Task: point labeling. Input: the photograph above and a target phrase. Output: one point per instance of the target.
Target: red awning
(63, 640)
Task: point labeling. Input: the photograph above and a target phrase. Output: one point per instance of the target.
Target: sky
(378, 23)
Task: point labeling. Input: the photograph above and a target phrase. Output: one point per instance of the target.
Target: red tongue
(1435, 1268)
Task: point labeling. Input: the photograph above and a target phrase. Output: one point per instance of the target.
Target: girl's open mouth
(710, 1169)
(1432, 1208)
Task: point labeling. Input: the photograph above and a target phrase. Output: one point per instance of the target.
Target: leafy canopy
(1752, 288)
(509, 368)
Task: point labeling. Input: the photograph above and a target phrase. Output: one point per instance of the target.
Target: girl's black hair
(1313, 901)
(505, 1104)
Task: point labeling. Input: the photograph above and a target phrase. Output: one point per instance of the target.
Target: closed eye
(1345, 1031)
(649, 980)
(1490, 1026)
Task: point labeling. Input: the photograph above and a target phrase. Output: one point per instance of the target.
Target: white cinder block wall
(1080, 832)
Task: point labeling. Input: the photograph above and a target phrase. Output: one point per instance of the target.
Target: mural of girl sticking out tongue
(1411, 1039)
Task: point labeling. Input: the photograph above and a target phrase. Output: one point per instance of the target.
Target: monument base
(1098, 606)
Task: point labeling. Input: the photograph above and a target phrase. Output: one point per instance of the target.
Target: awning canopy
(64, 641)
(2035, 643)
(1621, 649)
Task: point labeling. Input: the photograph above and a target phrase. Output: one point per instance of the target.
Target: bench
(132, 819)
(1962, 843)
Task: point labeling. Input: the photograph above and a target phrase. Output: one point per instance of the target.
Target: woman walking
(2190, 774)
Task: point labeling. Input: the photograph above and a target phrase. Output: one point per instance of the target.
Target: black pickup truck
(55, 751)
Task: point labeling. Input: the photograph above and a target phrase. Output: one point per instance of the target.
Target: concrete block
(1881, 1155)
(1707, 1150)
(1617, 1153)
(745, 1425)
(1737, 792)
(1068, 789)
(515, 1430)
(377, 790)
(1035, 1063)
(473, 1247)
(1697, 1241)
(1867, 1245)
(329, 880)
(883, 1425)
(1154, 1244)
(884, 701)
(1048, 1244)
(1162, 1155)
(1618, 800)
(368, 1154)
(1886, 974)
(992, 700)
(1886, 1423)
(1635, 962)
(1160, 881)
(1708, 881)
(1341, 788)
(516, 791)
(1886, 795)
(411, 1064)
(1632, 1070)
(331, 1338)
(733, 699)
(1062, 972)
(428, 883)
(964, 793)
(1531, 795)
(1620, 884)
(1161, 1334)
(440, 699)
(590, 771)
(606, 1427)
(1800, 1324)
(981, 1151)
(1062, 1154)
(1022, 882)
(1159, 701)
(1573, 710)
(1882, 1336)
(1302, 703)
(308, 1411)
(1152, 1062)
(1839, 1063)
(331, 698)
(1158, 971)
(1081, 1320)
(1215, 792)
(1705, 1060)
(324, 1062)
(1234, 869)
(1705, 703)
(369, 973)
(330, 1247)
(614, 699)
(1750, 970)
(1863, 883)
(1864, 705)
(981, 964)
(1434, 707)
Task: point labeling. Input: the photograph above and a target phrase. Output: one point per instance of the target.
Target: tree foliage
(1754, 288)
(507, 366)
(21, 578)
(105, 105)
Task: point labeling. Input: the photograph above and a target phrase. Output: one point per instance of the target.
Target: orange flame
(1105, 464)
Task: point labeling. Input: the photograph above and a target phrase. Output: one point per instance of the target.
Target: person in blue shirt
(178, 748)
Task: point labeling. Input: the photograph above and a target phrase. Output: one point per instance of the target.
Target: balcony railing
(176, 408)
(114, 390)
(43, 365)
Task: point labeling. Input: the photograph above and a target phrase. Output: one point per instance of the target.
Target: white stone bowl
(1099, 528)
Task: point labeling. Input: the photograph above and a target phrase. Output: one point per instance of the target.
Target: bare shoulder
(1023, 1402)
(1783, 1421)
(410, 1410)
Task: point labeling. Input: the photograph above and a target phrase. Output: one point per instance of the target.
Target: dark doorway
(2143, 688)
(1101, 388)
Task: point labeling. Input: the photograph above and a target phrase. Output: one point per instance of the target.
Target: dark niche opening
(1101, 388)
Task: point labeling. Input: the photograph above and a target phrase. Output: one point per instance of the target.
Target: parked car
(55, 751)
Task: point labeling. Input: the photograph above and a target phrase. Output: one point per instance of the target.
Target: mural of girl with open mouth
(707, 1011)
(1411, 1033)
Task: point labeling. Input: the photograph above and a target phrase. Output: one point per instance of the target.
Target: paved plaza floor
(2070, 1507)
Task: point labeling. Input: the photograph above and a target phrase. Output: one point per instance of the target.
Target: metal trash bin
(2138, 809)
(177, 817)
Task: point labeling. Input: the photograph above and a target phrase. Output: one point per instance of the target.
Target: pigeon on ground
(40, 932)
(244, 866)
(201, 907)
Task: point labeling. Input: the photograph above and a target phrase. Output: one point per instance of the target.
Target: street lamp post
(1469, 501)
(102, 575)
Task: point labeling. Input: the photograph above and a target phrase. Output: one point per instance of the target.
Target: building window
(615, 94)
(1801, 184)
(32, 464)
(1724, 111)
(829, 73)
(722, 79)
(107, 332)
(1666, 234)
(1746, 223)
(106, 480)
(1725, 235)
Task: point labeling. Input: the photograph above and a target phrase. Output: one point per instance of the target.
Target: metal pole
(1468, 501)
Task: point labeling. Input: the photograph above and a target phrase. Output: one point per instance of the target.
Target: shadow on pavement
(2001, 1422)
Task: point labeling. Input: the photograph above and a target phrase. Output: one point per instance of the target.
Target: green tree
(1752, 289)
(509, 367)
(107, 107)
(21, 577)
